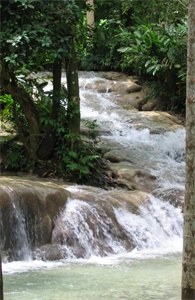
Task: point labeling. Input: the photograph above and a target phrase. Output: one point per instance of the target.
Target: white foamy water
(155, 229)
(30, 265)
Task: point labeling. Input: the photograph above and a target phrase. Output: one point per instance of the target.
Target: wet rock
(50, 252)
(173, 196)
(117, 76)
(155, 121)
(125, 87)
(137, 100)
(133, 177)
(115, 156)
(149, 105)
(128, 106)
(100, 86)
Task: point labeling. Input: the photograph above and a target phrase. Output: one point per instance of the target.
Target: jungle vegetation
(138, 37)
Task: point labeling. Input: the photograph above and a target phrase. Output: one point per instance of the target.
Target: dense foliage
(37, 36)
(146, 38)
(158, 52)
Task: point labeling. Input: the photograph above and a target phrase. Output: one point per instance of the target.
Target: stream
(152, 270)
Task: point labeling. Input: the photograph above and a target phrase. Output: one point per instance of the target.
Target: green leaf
(123, 49)
(72, 154)
(147, 63)
(72, 166)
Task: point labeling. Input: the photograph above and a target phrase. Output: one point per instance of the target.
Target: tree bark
(1, 280)
(188, 270)
(73, 108)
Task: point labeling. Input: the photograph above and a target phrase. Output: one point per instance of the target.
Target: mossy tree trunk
(188, 272)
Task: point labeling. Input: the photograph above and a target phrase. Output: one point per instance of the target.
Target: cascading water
(18, 242)
(160, 154)
(158, 225)
(86, 229)
(102, 231)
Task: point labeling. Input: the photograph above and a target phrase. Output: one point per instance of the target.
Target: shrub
(158, 52)
(78, 163)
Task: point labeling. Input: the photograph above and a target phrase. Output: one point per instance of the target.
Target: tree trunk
(188, 271)
(1, 280)
(38, 144)
(57, 74)
(28, 107)
(90, 14)
(73, 108)
(47, 146)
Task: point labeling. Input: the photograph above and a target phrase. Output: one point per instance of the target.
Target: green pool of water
(144, 279)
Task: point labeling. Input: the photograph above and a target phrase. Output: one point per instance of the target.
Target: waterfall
(162, 154)
(18, 241)
(105, 225)
(157, 226)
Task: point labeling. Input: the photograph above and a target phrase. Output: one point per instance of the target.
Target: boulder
(155, 121)
(100, 86)
(149, 105)
(118, 76)
(137, 100)
(125, 87)
(132, 177)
